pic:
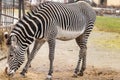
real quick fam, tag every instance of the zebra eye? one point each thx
(11, 55)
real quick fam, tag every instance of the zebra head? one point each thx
(15, 58)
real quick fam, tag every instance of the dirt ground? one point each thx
(103, 60)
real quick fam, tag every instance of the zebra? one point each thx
(48, 22)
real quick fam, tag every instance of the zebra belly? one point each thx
(65, 35)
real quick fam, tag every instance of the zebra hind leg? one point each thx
(82, 56)
(83, 67)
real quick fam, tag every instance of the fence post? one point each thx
(0, 21)
(13, 9)
(0, 11)
(21, 8)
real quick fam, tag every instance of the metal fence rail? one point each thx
(8, 10)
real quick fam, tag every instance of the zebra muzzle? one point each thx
(7, 73)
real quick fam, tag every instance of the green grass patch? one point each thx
(108, 24)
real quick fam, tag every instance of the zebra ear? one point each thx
(12, 40)
(8, 42)
(6, 35)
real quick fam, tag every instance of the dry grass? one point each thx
(17, 76)
(90, 74)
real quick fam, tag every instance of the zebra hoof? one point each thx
(22, 75)
(49, 77)
(75, 75)
(30, 66)
(80, 74)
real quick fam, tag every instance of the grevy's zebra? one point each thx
(48, 22)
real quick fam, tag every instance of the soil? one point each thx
(103, 60)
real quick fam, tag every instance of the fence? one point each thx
(10, 11)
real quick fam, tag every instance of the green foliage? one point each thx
(108, 24)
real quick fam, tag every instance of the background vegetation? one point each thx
(109, 24)
(111, 39)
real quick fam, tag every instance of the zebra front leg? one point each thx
(51, 44)
(28, 53)
(36, 47)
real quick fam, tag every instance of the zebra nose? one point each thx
(10, 74)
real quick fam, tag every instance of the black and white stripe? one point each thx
(50, 21)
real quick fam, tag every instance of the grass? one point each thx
(108, 24)
(109, 44)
